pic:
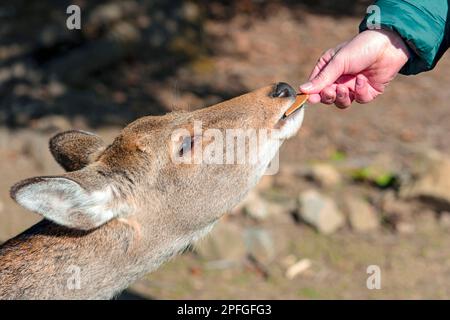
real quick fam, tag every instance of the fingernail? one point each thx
(306, 86)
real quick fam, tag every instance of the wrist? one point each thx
(397, 41)
(394, 43)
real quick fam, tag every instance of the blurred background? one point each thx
(365, 186)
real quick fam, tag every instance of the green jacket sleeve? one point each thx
(423, 24)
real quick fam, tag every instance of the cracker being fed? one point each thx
(299, 102)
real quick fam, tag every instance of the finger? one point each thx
(322, 62)
(328, 95)
(343, 99)
(325, 59)
(362, 94)
(327, 76)
(314, 98)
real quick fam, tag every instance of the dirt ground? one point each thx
(250, 51)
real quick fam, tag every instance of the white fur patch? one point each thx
(292, 125)
(65, 202)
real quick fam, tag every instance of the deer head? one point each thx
(121, 210)
(178, 165)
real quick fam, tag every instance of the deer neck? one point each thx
(52, 262)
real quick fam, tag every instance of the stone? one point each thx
(277, 209)
(255, 206)
(444, 220)
(225, 242)
(362, 216)
(56, 89)
(266, 182)
(288, 261)
(432, 186)
(426, 221)
(52, 124)
(391, 205)
(286, 177)
(325, 175)
(397, 213)
(35, 148)
(320, 212)
(404, 227)
(259, 245)
(298, 268)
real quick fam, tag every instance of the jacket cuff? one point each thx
(421, 30)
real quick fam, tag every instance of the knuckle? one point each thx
(342, 105)
(327, 101)
(362, 100)
(343, 102)
(326, 95)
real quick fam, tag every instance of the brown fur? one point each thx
(74, 149)
(163, 205)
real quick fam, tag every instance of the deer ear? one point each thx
(75, 149)
(65, 202)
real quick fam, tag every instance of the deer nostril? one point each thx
(283, 90)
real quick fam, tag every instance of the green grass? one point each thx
(309, 293)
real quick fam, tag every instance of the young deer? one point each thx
(123, 210)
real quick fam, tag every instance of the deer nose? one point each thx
(283, 90)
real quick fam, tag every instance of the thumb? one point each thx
(327, 76)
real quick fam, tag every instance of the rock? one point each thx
(265, 183)
(225, 242)
(255, 206)
(426, 220)
(405, 227)
(361, 214)
(325, 175)
(391, 205)
(320, 212)
(52, 124)
(259, 245)
(298, 268)
(278, 209)
(444, 220)
(422, 158)
(288, 261)
(190, 11)
(237, 210)
(286, 177)
(432, 186)
(397, 213)
(35, 147)
(56, 89)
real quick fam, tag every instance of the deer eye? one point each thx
(186, 146)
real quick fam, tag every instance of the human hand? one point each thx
(358, 70)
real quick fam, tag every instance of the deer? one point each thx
(121, 210)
